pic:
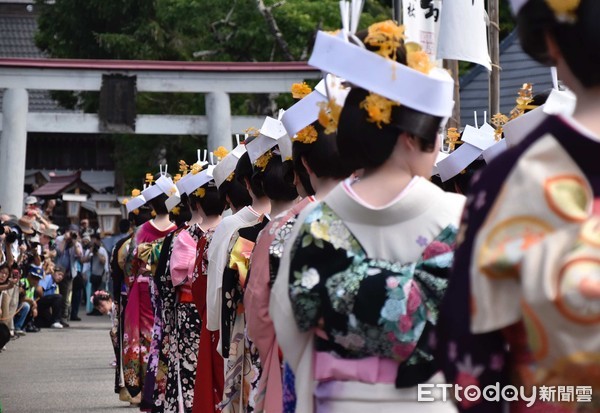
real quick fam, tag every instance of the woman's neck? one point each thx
(380, 186)
(210, 222)
(277, 207)
(261, 205)
(323, 186)
(197, 218)
(587, 112)
(162, 222)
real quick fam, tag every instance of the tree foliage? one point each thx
(184, 30)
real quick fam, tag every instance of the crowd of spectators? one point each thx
(47, 273)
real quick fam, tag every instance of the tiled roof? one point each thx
(59, 184)
(17, 33)
(517, 68)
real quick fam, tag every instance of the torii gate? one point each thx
(214, 79)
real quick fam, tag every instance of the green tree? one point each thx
(184, 30)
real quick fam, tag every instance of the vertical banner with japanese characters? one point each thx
(463, 32)
(421, 20)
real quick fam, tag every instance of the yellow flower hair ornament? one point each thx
(329, 115)
(378, 108)
(221, 152)
(176, 210)
(200, 192)
(195, 168)
(177, 178)
(135, 192)
(263, 160)
(307, 135)
(125, 201)
(452, 138)
(417, 59)
(252, 132)
(386, 35)
(564, 10)
(183, 167)
(230, 177)
(149, 178)
(300, 90)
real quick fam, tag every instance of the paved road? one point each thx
(57, 371)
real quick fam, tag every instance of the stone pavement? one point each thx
(57, 371)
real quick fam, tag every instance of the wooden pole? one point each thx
(397, 10)
(452, 67)
(494, 86)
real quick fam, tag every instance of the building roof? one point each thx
(100, 181)
(64, 183)
(17, 32)
(517, 68)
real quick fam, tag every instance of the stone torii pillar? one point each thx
(13, 148)
(218, 114)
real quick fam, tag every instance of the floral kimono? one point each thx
(184, 339)
(527, 274)
(139, 315)
(242, 369)
(208, 391)
(366, 307)
(163, 298)
(364, 285)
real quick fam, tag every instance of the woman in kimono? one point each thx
(242, 369)
(526, 275)
(324, 170)
(367, 265)
(139, 315)
(208, 391)
(279, 187)
(184, 335)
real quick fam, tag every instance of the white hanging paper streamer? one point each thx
(463, 33)
(422, 25)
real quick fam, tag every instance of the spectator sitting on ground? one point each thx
(8, 279)
(27, 288)
(49, 303)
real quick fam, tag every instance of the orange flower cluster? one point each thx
(300, 90)
(307, 135)
(378, 108)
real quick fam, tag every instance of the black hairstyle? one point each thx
(100, 296)
(363, 144)
(322, 156)
(158, 204)
(95, 235)
(278, 180)
(5, 265)
(236, 192)
(244, 170)
(144, 214)
(184, 214)
(578, 41)
(124, 226)
(212, 203)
